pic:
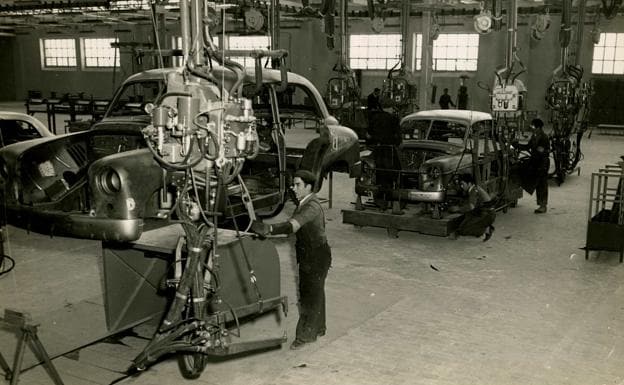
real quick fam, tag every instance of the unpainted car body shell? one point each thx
(425, 169)
(84, 209)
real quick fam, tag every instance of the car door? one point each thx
(14, 130)
(487, 160)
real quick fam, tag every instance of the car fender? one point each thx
(140, 176)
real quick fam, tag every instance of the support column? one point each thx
(426, 70)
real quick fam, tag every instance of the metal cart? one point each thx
(605, 223)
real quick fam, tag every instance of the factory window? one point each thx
(58, 53)
(98, 53)
(609, 54)
(176, 44)
(456, 52)
(374, 51)
(247, 43)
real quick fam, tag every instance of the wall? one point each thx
(309, 56)
(7, 69)
(29, 74)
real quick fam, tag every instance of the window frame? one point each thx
(374, 37)
(83, 55)
(601, 49)
(445, 52)
(44, 57)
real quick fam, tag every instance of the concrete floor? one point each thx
(523, 308)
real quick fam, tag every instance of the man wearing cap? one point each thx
(539, 163)
(313, 256)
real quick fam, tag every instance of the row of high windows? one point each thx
(451, 52)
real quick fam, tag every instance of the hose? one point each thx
(185, 165)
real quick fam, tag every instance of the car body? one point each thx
(103, 183)
(17, 127)
(436, 147)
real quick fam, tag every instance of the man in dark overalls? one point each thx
(539, 163)
(313, 256)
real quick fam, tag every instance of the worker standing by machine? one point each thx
(374, 102)
(313, 256)
(539, 163)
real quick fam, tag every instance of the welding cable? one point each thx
(4, 237)
(233, 171)
(214, 275)
(169, 344)
(161, 62)
(161, 340)
(211, 134)
(183, 191)
(576, 72)
(233, 66)
(234, 317)
(182, 293)
(190, 66)
(186, 163)
(201, 209)
(162, 97)
(252, 274)
(6, 270)
(247, 201)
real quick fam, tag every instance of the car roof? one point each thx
(269, 75)
(41, 128)
(461, 116)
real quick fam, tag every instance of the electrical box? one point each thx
(337, 92)
(506, 98)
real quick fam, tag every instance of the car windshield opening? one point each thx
(446, 131)
(133, 97)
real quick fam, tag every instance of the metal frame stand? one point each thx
(27, 335)
(605, 220)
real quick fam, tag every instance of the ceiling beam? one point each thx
(50, 4)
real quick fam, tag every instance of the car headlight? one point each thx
(434, 172)
(110, 181)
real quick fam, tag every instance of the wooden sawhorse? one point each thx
(27, 335)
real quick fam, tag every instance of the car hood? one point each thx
(446, 156)
(124, 123)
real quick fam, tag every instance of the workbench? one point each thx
(135, 274)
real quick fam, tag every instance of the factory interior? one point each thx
(326, 192)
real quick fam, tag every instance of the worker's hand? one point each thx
(259, 228)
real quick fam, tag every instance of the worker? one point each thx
(479, 214)
(539, 163)
(313, 256)
(445, 100)
(374, 101)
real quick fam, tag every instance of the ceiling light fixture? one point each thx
(483, 21)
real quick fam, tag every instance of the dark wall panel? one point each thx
(8, 91)
(607, 102)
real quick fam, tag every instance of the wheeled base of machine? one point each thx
(410, 220)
